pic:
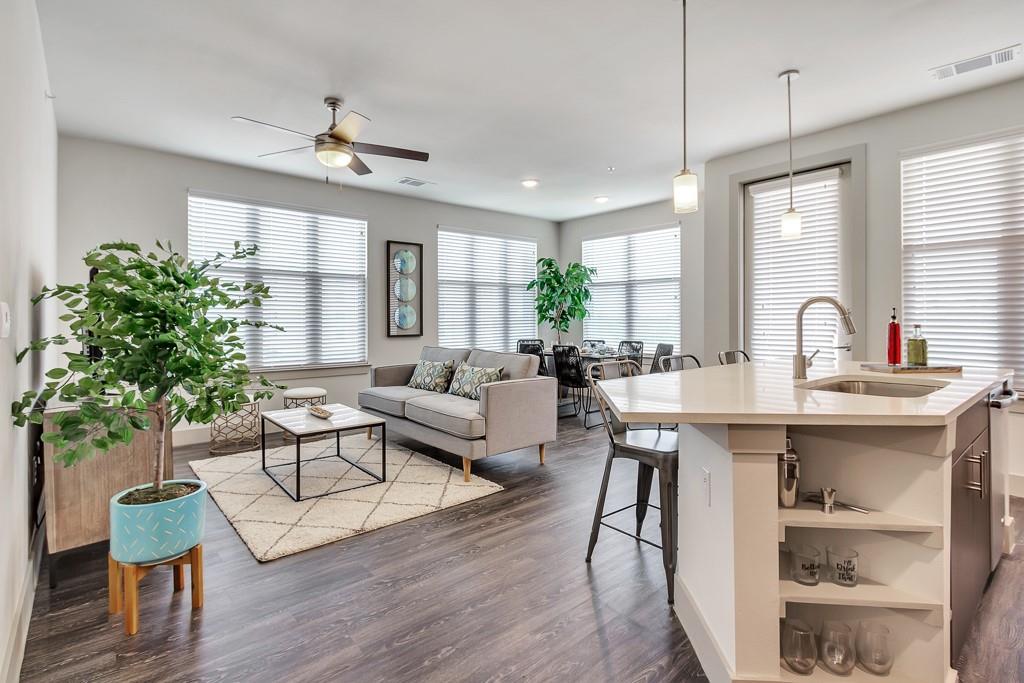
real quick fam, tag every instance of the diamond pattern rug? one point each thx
(273, 525)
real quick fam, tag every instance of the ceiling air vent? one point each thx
(1007, 54)
(413, 182)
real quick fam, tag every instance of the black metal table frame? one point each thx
(297, 496)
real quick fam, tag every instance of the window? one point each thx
(315, 266)
(963, 252)
(482, 300)
(781, 274)
(635, 294)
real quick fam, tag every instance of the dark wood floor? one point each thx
(495, 589)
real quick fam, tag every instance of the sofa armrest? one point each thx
(519, 413)
(391, 375)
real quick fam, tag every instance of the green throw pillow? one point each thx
(467, 380)
(432, 375)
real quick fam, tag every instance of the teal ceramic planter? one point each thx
(143, 534)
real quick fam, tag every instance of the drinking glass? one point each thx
(873, 650)
(837, 648)
(806, 561)
(842, 563)
(799, 648)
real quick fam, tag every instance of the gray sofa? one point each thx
(516, 412)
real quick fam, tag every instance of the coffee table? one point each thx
(300, 423)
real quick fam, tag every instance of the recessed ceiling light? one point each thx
(600, 199)
(530, 182)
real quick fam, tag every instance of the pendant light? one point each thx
(684, 185)
(792, 221)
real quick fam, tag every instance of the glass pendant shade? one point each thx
(792, 225)
(684, 192)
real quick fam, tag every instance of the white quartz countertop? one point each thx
(766, 393)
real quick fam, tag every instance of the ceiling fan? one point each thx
(337, 146)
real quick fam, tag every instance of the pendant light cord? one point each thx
(684, 85)
(789, 114)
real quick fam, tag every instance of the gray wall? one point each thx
(28, 228)
(110, 191)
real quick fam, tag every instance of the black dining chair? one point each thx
(733, 357)
(571, 376)
(677, 362)
(660, 351)
(632, 350)
(652, 450)
(536, 348)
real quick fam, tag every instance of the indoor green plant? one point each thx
(161, 354)
(561, 297)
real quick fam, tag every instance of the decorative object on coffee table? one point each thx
(300, 397)
(123, 583)
(237, 431)
(405, 289)
(301, 425)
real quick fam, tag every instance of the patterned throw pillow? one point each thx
(432, 375)
(467, 380)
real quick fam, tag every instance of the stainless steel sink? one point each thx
(876, 388)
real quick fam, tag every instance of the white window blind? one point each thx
(635, 294)
(482, 300)
(315, 266)
(783, 273)
(963, 252)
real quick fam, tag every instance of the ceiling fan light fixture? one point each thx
(333, 153)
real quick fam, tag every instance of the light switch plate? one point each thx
(5, 320)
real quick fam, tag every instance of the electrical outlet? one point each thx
(5, 320)
(707, 485)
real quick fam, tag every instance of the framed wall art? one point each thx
(405, 289)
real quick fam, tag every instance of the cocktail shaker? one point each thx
(789, 476)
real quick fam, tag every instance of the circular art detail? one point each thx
(405, 289)
(405, 261)
(405, 317)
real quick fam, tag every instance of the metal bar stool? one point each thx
(678, 362)
(733, 357)
(660, 351)
(652, 450)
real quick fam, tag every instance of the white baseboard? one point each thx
(1017, 485)
(14, 649)
(186, 435)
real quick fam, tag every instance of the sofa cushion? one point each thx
(514, 365)
(442, 353)
(390, 400)
(448, 413)
(432, 375)
(467, 380)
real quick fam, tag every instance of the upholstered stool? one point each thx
(123, 583)
(300, 397)
(236, 432)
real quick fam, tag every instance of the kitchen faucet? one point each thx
(800, 361)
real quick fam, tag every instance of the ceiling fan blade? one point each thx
(270, 125)
(348, 128)
(385, 151)
(285, 151)
(358, 166)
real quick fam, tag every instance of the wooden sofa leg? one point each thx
(540, 450)
(466, 465)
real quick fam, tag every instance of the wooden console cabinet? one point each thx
(78, 498)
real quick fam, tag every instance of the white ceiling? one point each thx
(500, 90)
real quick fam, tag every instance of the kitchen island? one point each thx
(912, 449)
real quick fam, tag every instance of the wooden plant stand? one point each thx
(123, 583)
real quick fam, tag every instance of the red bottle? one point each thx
(895, 340)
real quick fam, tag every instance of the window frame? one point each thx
(252, 273)
(649, 345)
(469, 232)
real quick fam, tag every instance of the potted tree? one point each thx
(561, 297)
(154, 352)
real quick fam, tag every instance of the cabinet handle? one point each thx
(971, 458)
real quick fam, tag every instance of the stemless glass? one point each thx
(873, 649)
(805, 563)
(799, 648)
(842, 563)
(837, 648)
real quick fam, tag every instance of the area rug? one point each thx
(273, 525)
